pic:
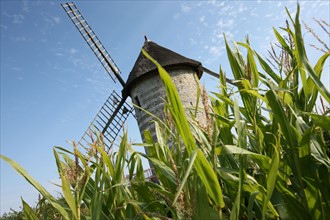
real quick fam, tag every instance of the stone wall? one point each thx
(148, 92)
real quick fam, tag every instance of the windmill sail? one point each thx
(108, 121)
(93, 41)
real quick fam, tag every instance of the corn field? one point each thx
(263, 153)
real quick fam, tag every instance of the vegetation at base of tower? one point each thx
(262, 154)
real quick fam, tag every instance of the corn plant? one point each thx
(261, 153)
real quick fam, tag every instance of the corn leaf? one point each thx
(301, 52)
(202, 166)
(271, 178)
(268, 69)
(184, 180)
(66, 186)
(28, 212)
(36, 185)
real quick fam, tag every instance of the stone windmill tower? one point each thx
(143, 85)
(146, 88)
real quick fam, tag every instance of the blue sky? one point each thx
(52, 85)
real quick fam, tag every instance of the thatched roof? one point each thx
(164, 57)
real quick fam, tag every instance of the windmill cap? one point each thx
(165, 57)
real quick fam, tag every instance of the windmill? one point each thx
(143, 84)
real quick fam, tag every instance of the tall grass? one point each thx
(261, 155)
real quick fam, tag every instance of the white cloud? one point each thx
(242, 7)
(18, 18)
(185, 8)
(15, 68)
(3, 27)
(269, 15)
(228, 34)
(176, 16)
(216, 50)
(226, 9)
(212, 2)
(73, 51)
(25, 6)
(76, 62)
(90, 80)
(56, 19)
(223, 24)
(253, 12)
(19, 38)
(192, 41)
(202, 19)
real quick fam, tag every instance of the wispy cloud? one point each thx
(52, 20)
(3, 27)
(216, 50)
(15, 68)
(56, 19)
(185, 8)
(176, 16)
(225, 23)
(242, 8)
(25, 6)
(269, 15)
(18, 18)
(192, 41)
(254, 13)
(73, 51)
(19, 38)
(202, 18)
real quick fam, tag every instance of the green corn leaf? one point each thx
(36, 185)
(271, 177)
(282, 41)
(120, 160)
(184, 180)
(225, 99)
(225, 120)
(236, 65)
(241, 133)
(255, 93)
(320, 120)
(202, 166)
(288, 13)
(262, 160)
(106, 159)
(301, 52)
(237, 203)
(251, 202)
(202, 209)
(280, 115)
(268, 69)
(66, 186)
(252, 65)
(28, 212)
(223, 82)
(289, 132)
(318, 68)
